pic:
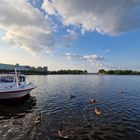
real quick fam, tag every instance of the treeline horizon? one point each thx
(118, 72)
(68, 72)
(101, 71)
(35, 72)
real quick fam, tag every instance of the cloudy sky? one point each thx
(71, 34)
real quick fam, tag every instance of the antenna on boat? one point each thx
(16, 76)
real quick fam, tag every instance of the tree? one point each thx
(102, 71)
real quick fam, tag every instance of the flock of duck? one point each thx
(97, 111)
(61, 131)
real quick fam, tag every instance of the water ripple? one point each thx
(52, 105)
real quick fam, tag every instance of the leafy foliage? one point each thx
(119, 72)
(37, 72)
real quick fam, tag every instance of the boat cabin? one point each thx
(11, 78)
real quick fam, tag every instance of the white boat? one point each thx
(14, 86)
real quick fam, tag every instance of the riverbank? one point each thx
(34, 72)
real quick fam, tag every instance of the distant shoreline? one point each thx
(34, 72)
(101, 72)
(86, 74)
(118, 72)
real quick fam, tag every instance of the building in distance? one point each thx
(23, 68)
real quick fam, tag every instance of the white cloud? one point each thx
(105, 16)
(92, 62)
(70, 56)
(92, 58)
(133, 49)
(25, 26)
(88, 58)
(106, 66)
(107, 50)
(68, 39)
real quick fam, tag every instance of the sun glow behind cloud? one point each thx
(25, 26)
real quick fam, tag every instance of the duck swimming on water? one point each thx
(97, 111)
(92, 100)
(61, 133)
(72, 96)
(38, 119)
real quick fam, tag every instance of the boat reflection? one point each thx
(20, 108)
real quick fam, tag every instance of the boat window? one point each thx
(6, 79)
(21, 78)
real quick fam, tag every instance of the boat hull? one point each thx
(15, 94)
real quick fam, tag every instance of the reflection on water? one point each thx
(40, 119)
(13, 118)
(10, 109)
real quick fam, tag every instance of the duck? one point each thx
(38, 119)
(92, 100)
(72, 96)
(97, 111)
(61, 133)
(121, 91)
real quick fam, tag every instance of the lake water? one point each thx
(50, 103)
